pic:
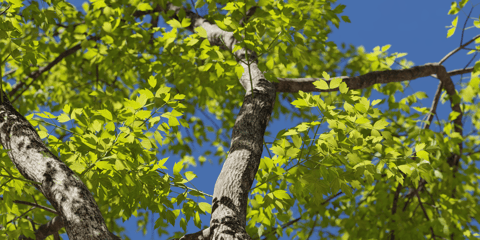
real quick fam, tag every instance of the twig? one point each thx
(313, 227)
(458, 49)
(34, 205)
(299, 218)
(5, 10)
(464, 25)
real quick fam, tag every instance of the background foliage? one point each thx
(115, 96)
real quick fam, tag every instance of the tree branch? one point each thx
(45, 230)
(34, 205)
(59, 184)
(299, 218)
(204, 234)
(248, 14)
(41, 70)
(4, 11)
(394, 207)
(460, 71)
(424, 212)
(458, 49)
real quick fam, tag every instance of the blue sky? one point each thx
(411, 26)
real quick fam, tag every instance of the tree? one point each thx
(86, 97)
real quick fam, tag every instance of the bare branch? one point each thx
(34, 205)
(458, 49)
(464, 25)
(204, 234)
(460, 71)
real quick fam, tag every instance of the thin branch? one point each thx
(41, 70)
(299, 218)
(34, 205)
(460, 71)
(36, 74)
(9, 72)
(424, 211)
(313, 227)
(394, 207)
(5, 10)
(248, 14)
(458, 49)
(464, 25)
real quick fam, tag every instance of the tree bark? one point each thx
(230, 196)
(58, 183)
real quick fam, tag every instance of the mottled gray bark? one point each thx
(230, 196)
(69, 196)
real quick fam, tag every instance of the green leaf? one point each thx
(205, 207)
(183, 224)
(423, 155)
(152, 81)
(177, 167)
(281, 194)
(63, 118)
(346, 189)
(335, 83)
(343, 88)
(386, 47)
(144, 7)
(190, 175)
(380, 124)
(451, 31)
(81, 28)
(363, 164)
(105, 165)
(270, 63)
(107, 27)
(239, 71)
(174, 23)
(346, 19)
(297, 141)
(362, 120)
(321, 84)
(201, 32)
(185, 22)
(326, 76)
(407, 169)
(106, 114)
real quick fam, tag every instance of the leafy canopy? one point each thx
(123, 95)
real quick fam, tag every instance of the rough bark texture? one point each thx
(230, 197)
(66, 192)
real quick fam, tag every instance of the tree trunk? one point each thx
(58, 183)
(230, 196)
